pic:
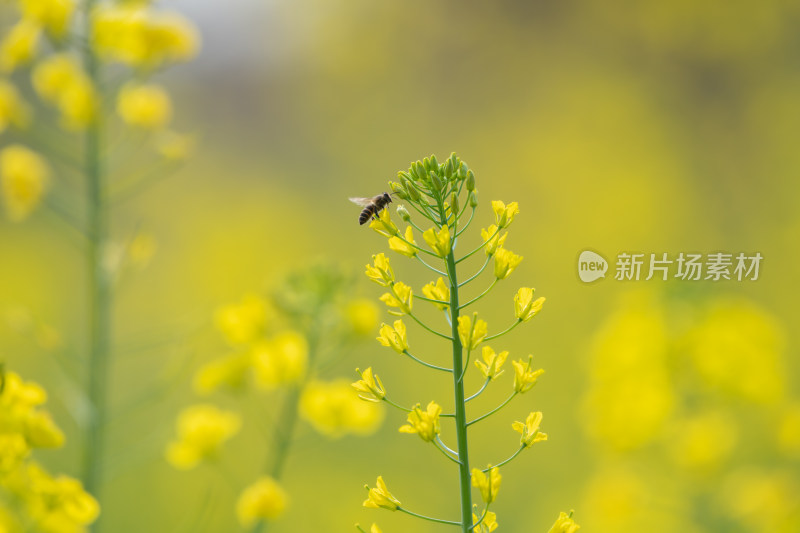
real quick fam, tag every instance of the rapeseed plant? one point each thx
(440, 194)
(91, 65)
(281, 346)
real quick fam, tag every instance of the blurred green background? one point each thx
(626, 126)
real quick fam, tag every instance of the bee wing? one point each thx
(363, 202)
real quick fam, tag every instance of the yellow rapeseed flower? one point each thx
(402, 246)
(369, 387)
(380, 497)
(380, 271)
(201, 429)
(491, 236)
(383, 224)
(13, 449)
(438, 241)
(424, 423)
(13, 109)
(362, 315)
(492, 362)
(141, 37)
(174, 146)
(280, 360)
(263, 500)
(244, 322)
(488, 483)
(147, 106)
(438, 291)
(504, 214)
(524, 376)
(334, 409)
(229, 371)
(394, 336)
(530, 430)
(471, 330)
(19, 45)
(525, 307)
(401, 298)
(487, 525)
(24, 175)
(505, 262)
(564, 524)
(53, 15)
(61, 81)
(41, 432)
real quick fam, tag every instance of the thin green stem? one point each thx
(478, 273)
(460, 405)
(481, 295)
(483, 515)
(421, 323)
(512, 326)
(442, 448)
(493, 411)
(420, 361)
(483, 388)
(516, 453)
(99, 289)
(469, 221)
(430, 267)
(414, 225)
(423, 250)
(430, 519)
(433, 301)
(487, 241)
(390, 402)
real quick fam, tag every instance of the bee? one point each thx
(372, 206)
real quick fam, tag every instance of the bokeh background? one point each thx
(627, 126)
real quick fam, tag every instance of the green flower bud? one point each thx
(437, 182)
(403, 212)
(411, 190)
(434, 163)
(470, 180)
(398, 190)
(473, 199)
(454, 204)
(449, 169)
(462, 170)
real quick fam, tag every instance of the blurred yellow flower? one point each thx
(144, 105)
(13, 449)
(335, 409)
(201, 430)
(280, 360)
(174, 146)
(438, 241)
(472, 333)
(13, 109)
(141, 249)
(401, 297)
(380, 497)
(488, 483)
(263, 500)
(703, 442)
(564, 524)
(24, 175)
(402, 246)
(487, 525)
(491, 236)
(438, 291)
(60, 80)
(53, 15)
(41, 431)
(788, 434)
(525, 307)
(505, 262)
(530, 430)
(229, 372)
(381, 270)
(424, 423)
(525, 377)
(362, 315)
(504, 214)
(492, 362)
(244, 322)
(384, 225)
(394, 336)
(375, 529)
(141, 37)
(370, 387)
(764, 501)
(18, 47)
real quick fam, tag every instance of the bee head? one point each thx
(386, 197)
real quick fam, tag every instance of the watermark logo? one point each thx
(591, 266)
(630, 266)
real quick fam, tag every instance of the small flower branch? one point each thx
(479, 248)
(483, 388)
(481, 295)
(469, 221)
(423, 363)
(493, 411)
(478, 273)
(496, 335)
(421, 323)
(445, 450)
(433, 269)
(428, 518)
(501, 463)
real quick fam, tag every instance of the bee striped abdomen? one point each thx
(365, 215)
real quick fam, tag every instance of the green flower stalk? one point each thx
(438, 196)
